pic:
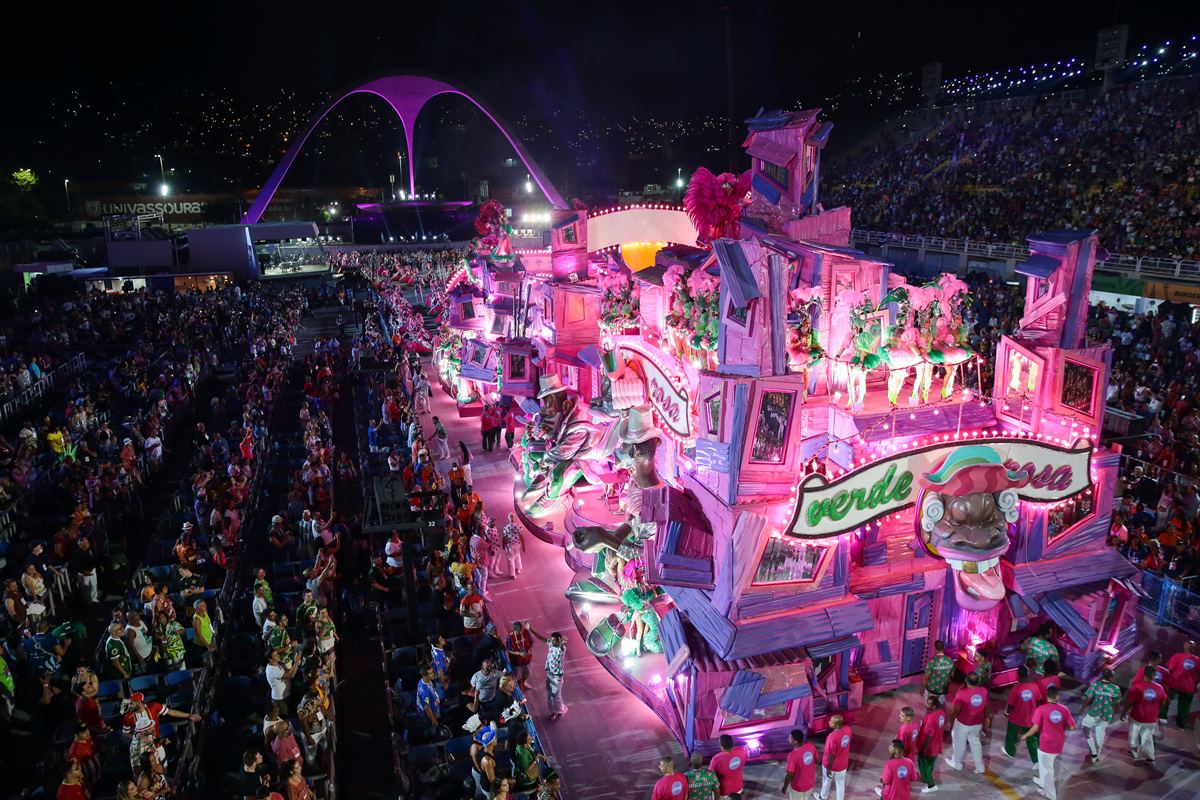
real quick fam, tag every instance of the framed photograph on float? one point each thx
(479, 353)
(769, 448)
(1079, 388)
(1020, 376)
(713, 407)
(789, 560)
(739, 318)
(518, 367)
(500, 324)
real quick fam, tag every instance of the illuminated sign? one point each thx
(891, 484)
(667, 394)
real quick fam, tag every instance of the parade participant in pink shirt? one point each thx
(969, 713)
(910, 731)
(728, 765)
(1050, 724)
(1183, 674)
(1143, 702)
(836, 758)
(898, 773)
(801, 768)
(1023, 700)
(673, 784)
(929, 742)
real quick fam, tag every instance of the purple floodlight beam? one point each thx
(407, 95)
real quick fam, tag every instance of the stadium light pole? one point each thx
(162, 172)
(67, 192)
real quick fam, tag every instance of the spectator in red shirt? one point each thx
(1050, 724)
(1183, 673)
(929, 742)
(970, 714)
(1143, 702)
(72, 786)
(728, 765)
(673, 784)
(801, 767)
(1023, 700)
(836, 758)
(898, 772)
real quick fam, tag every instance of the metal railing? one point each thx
(1171, 602)
(44, 386)
(1142, 266)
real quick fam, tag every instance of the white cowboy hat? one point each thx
(550, 384)
(637, 426)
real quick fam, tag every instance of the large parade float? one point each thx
(771, 459)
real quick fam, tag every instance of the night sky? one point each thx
(549, 62)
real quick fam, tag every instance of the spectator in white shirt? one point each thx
(259, 605)
(280, 680)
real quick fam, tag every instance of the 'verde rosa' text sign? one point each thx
(893, 483)
(669, 400)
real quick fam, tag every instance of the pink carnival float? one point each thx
(770, 459)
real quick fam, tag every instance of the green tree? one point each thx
(24, 179)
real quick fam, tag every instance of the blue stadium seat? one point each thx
(177, 678)
(146, 684)
(108, 689)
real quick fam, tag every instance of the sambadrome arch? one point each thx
(407, 95)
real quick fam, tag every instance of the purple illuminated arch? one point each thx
(407, 95)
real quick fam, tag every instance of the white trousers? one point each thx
(1045, 778)
(515, 564)
(961, 736)
(1141, 738)
(1094, 731)
(91, 586)
(838, 781)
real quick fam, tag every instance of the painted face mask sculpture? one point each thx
(963, 516)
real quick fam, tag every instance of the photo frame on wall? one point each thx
(500, 324)
(769, 443)
(518, 367)
(1079, 386)
(739, 318)
(712, 413)
(479, 354)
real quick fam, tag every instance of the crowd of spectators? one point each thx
(1156, 377)
(100, 656)
(1123, 162)
(287, 623)
(460, 685)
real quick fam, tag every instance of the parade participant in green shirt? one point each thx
(983, 665)
(1039, 650)
(1100, 703)
(938, 672)
(702, 781)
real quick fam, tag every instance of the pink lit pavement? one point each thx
(608, 744)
